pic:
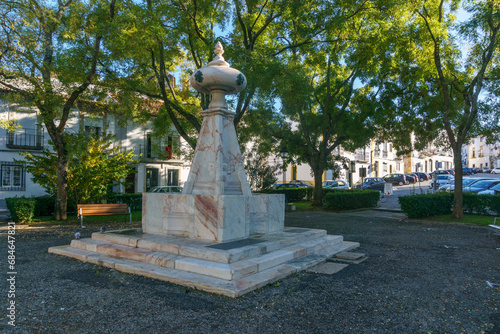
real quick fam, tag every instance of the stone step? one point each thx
(234, 287)
(228, 252)
(216, 269)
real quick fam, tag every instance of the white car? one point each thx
(335, 184)
(495, 170)
(442, 179)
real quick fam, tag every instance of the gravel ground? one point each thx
(419, 277)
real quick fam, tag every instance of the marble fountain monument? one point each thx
(216, 236)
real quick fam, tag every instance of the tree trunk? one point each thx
(318, 188)
(61, 205)
(458, 211)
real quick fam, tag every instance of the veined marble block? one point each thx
(212, 218)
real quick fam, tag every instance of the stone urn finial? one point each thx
(218, 79)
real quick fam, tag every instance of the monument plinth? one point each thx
(216, 236)
(216, 203)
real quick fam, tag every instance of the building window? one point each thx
(294, 172)
(173, 177)
(94, 131)
(12, 176)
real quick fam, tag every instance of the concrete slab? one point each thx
(328, 268)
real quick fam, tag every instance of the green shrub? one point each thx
(134, 201)
(425, 205)
(474, 203)
(350, 199)
(44, 205)
(494, 203)
(291, 194)
(21, 209)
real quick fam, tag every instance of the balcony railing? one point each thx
(385, 154)
(377, 153)
(361, 157)
(28, 139)
(155, 153)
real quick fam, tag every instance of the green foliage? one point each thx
(94, 167)
(425, 205)
(134, 201)
(44, 205)
(350, 199)
(291, 194)
(21, 209)
(260, 174)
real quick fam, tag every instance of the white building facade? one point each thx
(482, 155)
(159, 163)
(377, 159)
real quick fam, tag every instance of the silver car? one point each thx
(337, 184)
(442, 179)
(465, 183)
(481, 185)
(165, 189)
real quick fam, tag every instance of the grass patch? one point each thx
(305, 206)
(90, 220)
(467, 219)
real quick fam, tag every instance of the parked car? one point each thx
(467, 171)
(301, 183)
(465, 183)
(442, 172)
(491, 191)
(165, 189)
(481, 185)
(495, 170)
(422, 176)
(335, 184)
(442, 180)
(375, 183)
(286, 186)
(485, 170)
(396, 178)
(451, 171)
(411, 178)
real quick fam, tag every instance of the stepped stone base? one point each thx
(230, 268)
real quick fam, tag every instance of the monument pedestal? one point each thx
(229, 268)
(216, 236)
(212, 218)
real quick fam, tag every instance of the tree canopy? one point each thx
(443, 78)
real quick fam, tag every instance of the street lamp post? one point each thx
(284, 155)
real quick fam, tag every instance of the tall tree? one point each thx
(441, 68)
(49, 57)
(325, 88)
(158, 40)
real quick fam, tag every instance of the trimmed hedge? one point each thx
(350, 199)
(134, 201)
(426, 205)
(21, 209)
(291, 194)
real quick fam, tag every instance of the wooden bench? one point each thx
(495, 223)
(102, 210)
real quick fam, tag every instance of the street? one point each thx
(390, 202)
